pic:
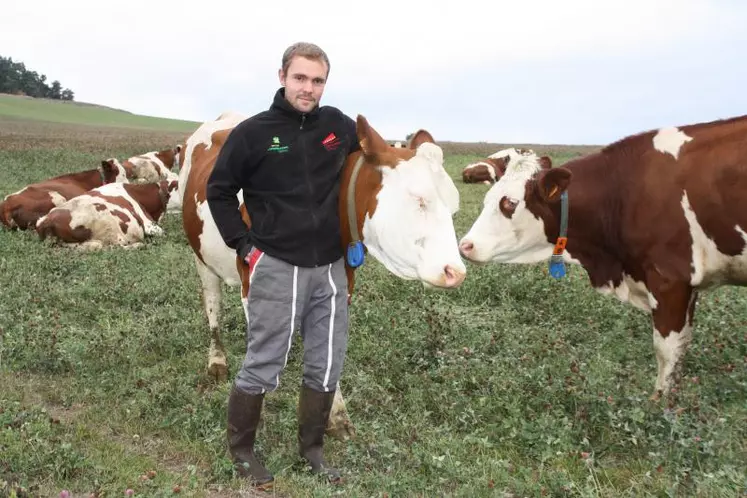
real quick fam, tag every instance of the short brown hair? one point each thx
(304, 49)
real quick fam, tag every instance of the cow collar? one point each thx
(355, 253)
(557, 266)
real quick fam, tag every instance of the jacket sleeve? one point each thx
(233, 167)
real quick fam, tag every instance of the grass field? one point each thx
(513, 385)
(59, 111)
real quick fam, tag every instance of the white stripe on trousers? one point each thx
(292, 324)
(331, 329)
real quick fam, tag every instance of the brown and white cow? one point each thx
(116, 214)
(491, 168)
(653, 219)
(153, 166)
(22, 209)
(404, 203)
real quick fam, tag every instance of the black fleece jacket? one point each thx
(289, 166)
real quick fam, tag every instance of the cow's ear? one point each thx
(553, 182)
(370, 141)
(545, 162)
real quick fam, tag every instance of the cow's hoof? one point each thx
(218, 371)
(340, 428)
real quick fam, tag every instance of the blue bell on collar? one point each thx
(355, 254)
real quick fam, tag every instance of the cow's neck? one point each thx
(366, 187)
(145, 195)
(594, 218)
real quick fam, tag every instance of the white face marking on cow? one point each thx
(669, 353)
(57, 198)
(631, 291)
(215, 253)
(670, 140)
(711, 267)
(518, 239)
(412, 232)
(203, 135)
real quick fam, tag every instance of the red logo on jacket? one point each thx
(331, 142)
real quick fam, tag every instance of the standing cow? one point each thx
(653, 219)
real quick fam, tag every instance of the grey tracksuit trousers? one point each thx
(283, 297)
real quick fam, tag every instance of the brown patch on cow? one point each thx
(100, 207)
(153, 197)
(124, 220)
(57, 224)
(203, 160)
(122, 202)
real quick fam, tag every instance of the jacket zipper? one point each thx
(314, 220)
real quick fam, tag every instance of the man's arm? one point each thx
(232, 168)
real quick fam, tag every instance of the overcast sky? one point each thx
(524, 71)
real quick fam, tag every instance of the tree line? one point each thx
(16, 79)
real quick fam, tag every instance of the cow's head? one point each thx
(407, 224)
(490, 169)
(175, 199)
(168, 192)
(170, 157)
(511, 226)
(113, 172)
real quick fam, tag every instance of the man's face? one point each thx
(304, 82)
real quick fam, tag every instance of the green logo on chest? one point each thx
(276, 147)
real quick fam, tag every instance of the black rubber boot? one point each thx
(243, 417)
(313, 413)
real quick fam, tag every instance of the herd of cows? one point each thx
(653, 218)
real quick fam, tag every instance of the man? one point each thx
(288, 161)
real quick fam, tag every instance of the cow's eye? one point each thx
(508, 206)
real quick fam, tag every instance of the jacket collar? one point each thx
(280, 104)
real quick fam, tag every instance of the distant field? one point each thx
(514, 385)
(12, 106)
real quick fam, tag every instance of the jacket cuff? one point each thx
(244, 248)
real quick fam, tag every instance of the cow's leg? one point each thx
(672, 321)
(339, 425)
(89, 245)
(150, 228)
(211, 300)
